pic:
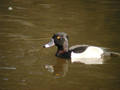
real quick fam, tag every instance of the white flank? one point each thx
(92, 55)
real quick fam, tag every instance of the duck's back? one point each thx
(78, 48)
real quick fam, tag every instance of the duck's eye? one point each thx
(58, 37)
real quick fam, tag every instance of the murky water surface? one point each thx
(25, 25)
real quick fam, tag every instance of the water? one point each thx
(26, 25)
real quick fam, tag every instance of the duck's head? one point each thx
(60, 40)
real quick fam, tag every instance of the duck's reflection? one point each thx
(59, 69)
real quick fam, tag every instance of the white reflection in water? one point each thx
(6, 79)
(49, 68)
(59, 69)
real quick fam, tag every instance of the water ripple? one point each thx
(23, 22)
(8, 68)
(14, 16)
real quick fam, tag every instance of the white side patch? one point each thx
(92, 55)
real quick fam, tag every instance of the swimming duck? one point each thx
(77, 53)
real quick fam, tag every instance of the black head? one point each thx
(60, 40)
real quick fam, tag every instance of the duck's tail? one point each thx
(115, 54)
(112, 54)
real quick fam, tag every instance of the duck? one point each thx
(77, 53)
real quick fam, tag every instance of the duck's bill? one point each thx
(50, 44)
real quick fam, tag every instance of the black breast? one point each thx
(64, 55)
(78, 48)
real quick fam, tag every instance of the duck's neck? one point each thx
(62, 51)
(63, 48)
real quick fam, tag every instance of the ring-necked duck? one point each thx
(77, 53)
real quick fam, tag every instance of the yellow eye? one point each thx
(58, 37)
